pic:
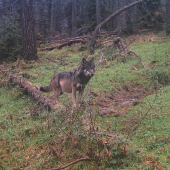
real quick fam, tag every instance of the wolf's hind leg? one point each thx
(57, 93)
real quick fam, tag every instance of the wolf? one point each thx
(73, 81)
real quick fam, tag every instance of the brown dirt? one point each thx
(120, 103)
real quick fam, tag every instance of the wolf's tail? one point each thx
(47, 88)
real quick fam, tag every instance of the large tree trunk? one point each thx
(28, 34)
(97, 30)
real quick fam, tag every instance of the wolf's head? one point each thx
(88, 67)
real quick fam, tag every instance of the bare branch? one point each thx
(82, 159)
(138, 57)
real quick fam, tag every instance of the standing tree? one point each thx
(74, 18)
(28, 34)
(98, 11)
(167, 17)
(53, 17)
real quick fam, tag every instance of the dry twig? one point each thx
(82, 159)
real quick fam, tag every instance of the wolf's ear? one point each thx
(83, 60)
(92, 60)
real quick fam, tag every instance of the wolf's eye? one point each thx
(92, 65)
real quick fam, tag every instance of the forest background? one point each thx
(58, 19)
(123, 119)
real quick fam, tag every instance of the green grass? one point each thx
(33, 138)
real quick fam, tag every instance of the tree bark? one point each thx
(74, 18)
(168, 13)
(28, 34)
(37, 14)
(98, 11)
(53, 17)
(97, 30)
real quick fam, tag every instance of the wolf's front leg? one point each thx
(80, 95)
(74, 96)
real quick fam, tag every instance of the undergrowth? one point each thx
(123, 121)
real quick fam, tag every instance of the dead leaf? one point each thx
(104, 141)
(27, 158)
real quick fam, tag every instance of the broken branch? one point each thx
(97, 30)
(82, 159)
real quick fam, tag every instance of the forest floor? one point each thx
(123, 120)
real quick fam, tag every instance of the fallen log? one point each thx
(68, 43)
(30, 88)
(83, 37)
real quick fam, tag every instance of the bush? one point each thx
(158, 77)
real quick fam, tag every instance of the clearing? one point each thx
(123, 121)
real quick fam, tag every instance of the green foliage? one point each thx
(91, 12)
(149, 15)
(39, 36)
(10, 39)
(160, 75)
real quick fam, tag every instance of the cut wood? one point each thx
(30, 88)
